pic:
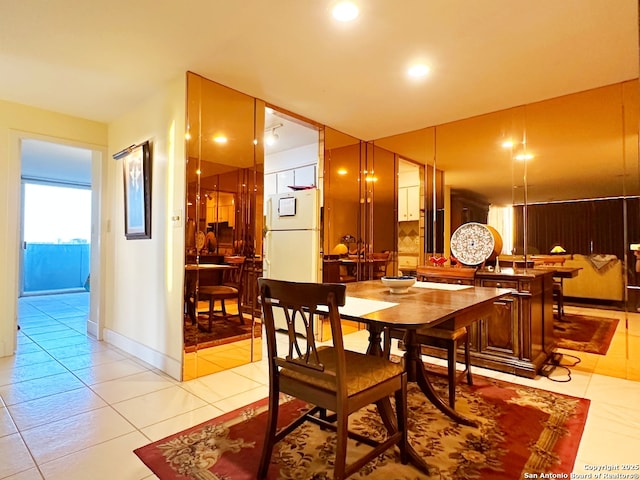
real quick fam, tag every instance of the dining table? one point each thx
(424, 305)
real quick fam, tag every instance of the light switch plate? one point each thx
(176, 218)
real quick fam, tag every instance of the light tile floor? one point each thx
(74, 408)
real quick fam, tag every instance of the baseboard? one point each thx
(92, 329)
(594, 303)
(168, 365)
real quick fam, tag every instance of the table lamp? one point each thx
(340, 249)
(557, 250)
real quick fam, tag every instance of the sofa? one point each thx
(601, 277)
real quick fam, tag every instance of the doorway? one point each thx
(59, 221)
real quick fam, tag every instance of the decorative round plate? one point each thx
(200, 237)
(472, 243)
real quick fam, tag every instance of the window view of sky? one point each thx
(54, 214)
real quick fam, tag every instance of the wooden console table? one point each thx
(518, 337)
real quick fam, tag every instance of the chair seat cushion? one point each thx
(219, 291)
(363, 371)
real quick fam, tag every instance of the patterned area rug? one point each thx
(522, 430)
(222, 332)
(584, 333)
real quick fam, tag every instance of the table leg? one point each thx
(385, 410)
(417, 373)
(375, 341)
(561, 302)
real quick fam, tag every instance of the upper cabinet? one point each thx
(293, 162)
(305, 176)
(408, 203)
(408, 192)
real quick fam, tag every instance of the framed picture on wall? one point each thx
(137, 192)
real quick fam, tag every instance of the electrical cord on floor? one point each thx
(564, 355)
(554, 362)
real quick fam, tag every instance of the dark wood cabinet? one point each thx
(331, 270)
(499, 333)
(517, 337)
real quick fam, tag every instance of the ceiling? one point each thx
(98, 59)
(51, 162)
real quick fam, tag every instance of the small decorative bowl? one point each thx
(399, 284)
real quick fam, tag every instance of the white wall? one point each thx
(20, 121)
(141, 280)
(290, 159)
(144, 279)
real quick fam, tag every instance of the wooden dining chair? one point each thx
(229, 289)
(446, 339)
(450, 340)
(380, 263)
(329, 378)
(558, 289)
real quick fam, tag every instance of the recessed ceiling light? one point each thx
(418, 70)
(220, 139)
(345, 11)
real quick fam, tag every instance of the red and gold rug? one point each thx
(522, 430)
(223, 331)
(584, 333)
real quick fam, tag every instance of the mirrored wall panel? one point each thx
(223, 254)
(558, 179)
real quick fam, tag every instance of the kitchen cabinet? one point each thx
(305, 176)
(285, 179)
(281, 181)
(222, 210)
(408, 203)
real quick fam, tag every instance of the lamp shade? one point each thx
(558, 249)
(340, 249)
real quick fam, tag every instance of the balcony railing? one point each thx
(55, 266)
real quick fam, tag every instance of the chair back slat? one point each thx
(301, 303)
(234, 276)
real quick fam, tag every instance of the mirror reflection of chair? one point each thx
(229, 289)
(380, 261)
(349, 270)
(558, 294)
(328, 377)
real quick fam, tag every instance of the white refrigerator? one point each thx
(292, 240)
